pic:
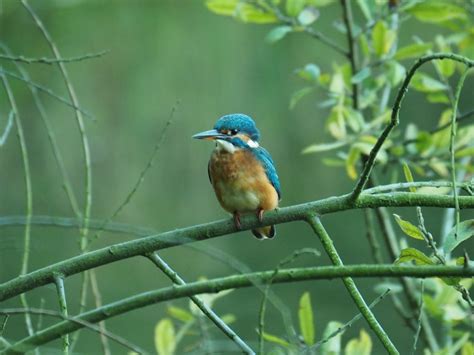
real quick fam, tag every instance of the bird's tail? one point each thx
(264, 232)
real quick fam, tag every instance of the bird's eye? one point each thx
(233, 132)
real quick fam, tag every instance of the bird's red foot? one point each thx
(237, 220)
(260, 215)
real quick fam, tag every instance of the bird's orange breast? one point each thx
(240, 182)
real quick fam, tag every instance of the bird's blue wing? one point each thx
(265, 158)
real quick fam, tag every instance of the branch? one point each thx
(49, 61)
(351, 287)
(206, 231)
(394, 120)
(173, 276)
(235, 281)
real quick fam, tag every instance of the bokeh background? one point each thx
(162, 52)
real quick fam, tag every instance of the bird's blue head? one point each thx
(236, 128)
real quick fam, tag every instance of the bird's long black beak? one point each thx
(210, 135)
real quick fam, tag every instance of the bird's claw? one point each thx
(237, 220)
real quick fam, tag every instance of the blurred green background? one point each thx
(162, 52)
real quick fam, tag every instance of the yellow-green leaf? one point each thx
(222, 7)
(333, 345)
(408, 228)
(323, 147)
(466, 152)
(165, 339)
(305, 315)
(249, 13)
(382, 38)
(413, 51)
(467, 348)
(408, 176)
(437, 11)
(294, 7)
(180, 314)
(274, 339)
(412, 254)
(424, 83)
(359, 346)
(351, 162)
(465, 231)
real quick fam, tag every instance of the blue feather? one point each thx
(265, 158)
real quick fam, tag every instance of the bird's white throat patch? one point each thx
(226, 146)
(230, 148)
(252, 144)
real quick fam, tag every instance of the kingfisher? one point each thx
(242, 172)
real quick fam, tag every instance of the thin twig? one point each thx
(173, 276)
(59, 281)
(263, 304)
(46, 91)
(49, 61)
(148, 166)
(98, 303)
(349, 324)
(29, 194)
(83, 324)
(8, 127)
(457, 95)
(51, 136)
(352, 44)
(420, 313)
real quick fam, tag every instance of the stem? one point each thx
(328, 245)
(59, 280)
(352, 55)
(451, 146)
(236, 281)
(173, 276)
(29, 194)
(43, 60)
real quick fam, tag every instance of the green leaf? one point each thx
(424, 83)
(361, 75)
(310, 72)
(396, 73)
(466, 152)
(382, 38)
(445, 67)
(465, 231)
(222, 7)
(333, 345)
(409, 229)
(467, 348)
(305, 315)
(364, 7)
(165, 341)
(351, 162)
(323, 147)
(383, 286)
(438, 98)
(412, 254)
(249, 13)
(294, 7)
(180, 314)
(228, 318)
(437, 11)
(359, 346)
(274, 339)
(408, 177)
(413, 51)
(308, 16)
(298, 95)
(278, 33)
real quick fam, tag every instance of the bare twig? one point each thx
(49, 61)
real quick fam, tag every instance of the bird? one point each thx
(242, 172)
